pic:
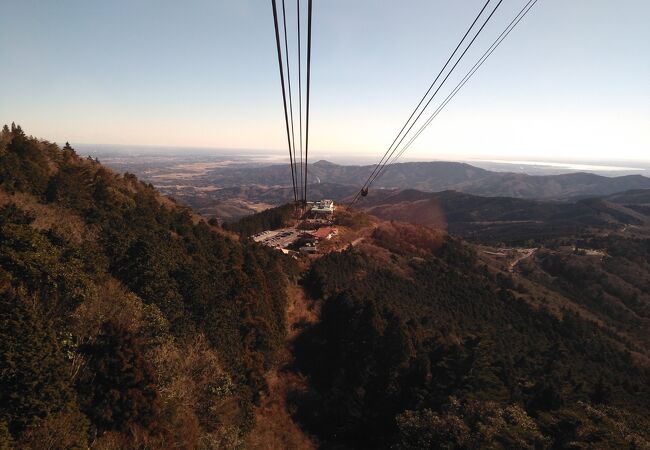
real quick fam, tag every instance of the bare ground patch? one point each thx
(274, 427)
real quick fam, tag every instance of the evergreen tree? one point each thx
(68, 151)
(117, 387)
(6, 441)
(34, 377)
(601, 393)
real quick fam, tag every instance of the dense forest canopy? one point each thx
(124, 321)
(424, 347)
(270, 219)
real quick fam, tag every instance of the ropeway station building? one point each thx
(323, 209)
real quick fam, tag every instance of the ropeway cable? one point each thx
(286, 54)
(309, 28)
(372, 177)
(284, 95)
(441, 85)
(511, 26)
(300, 184)
(430, 88)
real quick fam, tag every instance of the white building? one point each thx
(323, 207)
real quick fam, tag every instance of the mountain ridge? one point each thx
(507, 219)
(441, 175)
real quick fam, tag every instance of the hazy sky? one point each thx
(572, 81)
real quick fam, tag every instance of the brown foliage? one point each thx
(62, 221)
(274, 427)
(408, 239)
(197, 395)
(63, 430)
(113, 302)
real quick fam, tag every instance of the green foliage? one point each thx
(117, 386)
(42, 266)
(34, 373)
(391, 342)
(146, 268)
(483, 425)
(23, 165)
(6, 440)
(269, 219)
(72, 187)
(614, 289)
(352, 219)
(179, 280)
(603, 427)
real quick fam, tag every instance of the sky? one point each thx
(571, 82)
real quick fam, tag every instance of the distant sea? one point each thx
(609, 168)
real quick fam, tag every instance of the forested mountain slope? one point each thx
(423, 345)
(591, 255)
(125, 322)
(510, 220)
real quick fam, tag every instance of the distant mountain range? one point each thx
(435, 177)
(229, 192)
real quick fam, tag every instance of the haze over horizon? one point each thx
(205, 75)
(179, 156)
